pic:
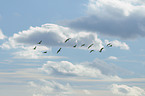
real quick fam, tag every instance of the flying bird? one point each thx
(109, 45)
(34, 48)
(101, 49)
(82, 45)
(67, 40)
(58, 50)
(90, 46)
(75, 46)
(91, 51)
(45, 52)
(39, 42)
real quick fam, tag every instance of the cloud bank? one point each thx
(119, 18)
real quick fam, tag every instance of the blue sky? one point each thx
(116, 71)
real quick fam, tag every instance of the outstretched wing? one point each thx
(34, 48)
(39, 42)
(67, 40)
(82, 45)
(90, 46)
(58, 50)
(91, 51)
(101, 49)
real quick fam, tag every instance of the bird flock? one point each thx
(108, 45)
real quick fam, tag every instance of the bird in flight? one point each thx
(45, 52)
(58, 50)
(109, 45)
(101, 49)
(67, 40)
(91, 51)
(90, 46)
(75, 46)
(39, 42)
(34, 48)
(82, 45)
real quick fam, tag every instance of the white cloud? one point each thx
(112, 58)
(120, 18)
(65, 68)
(124, 90)
(45, 88)
(29, 53)
(87, 92)
(2, 36)
(116, 43)
(53, 35)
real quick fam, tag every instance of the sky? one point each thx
(73, 71)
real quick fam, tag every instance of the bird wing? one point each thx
(90, 46)
(45, 52)
(101, 49)
(108, 44)
(91, 51)
(34, 48)
(67, 40)
(74, 45)
(82, 45)
(40, 42)
(59, 50)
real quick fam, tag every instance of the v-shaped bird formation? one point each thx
(74, 46)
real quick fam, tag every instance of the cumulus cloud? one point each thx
(124, 90)
(119, 18)
(116, 43)
(91, 70)
(52, 35)
(2, 36)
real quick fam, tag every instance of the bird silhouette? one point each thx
(90, 46)
(109, 45)
(82, 45)
(39, 42)
(45, 52)
(91, 51)
(101, 49)
(67, 40)
(34, 48)
(75, 46)
(58, 50)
